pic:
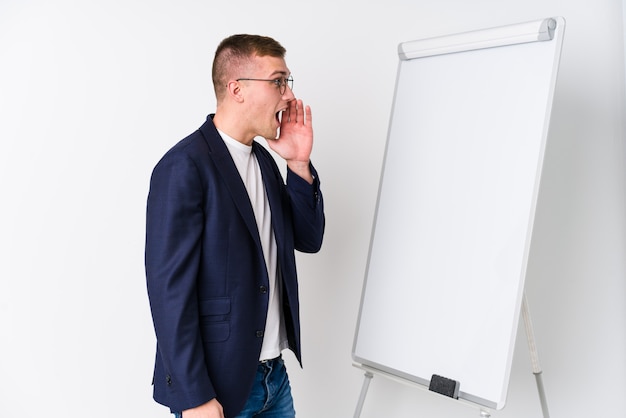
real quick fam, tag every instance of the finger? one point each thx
(298, 105)
(308, 114)
(293, 109)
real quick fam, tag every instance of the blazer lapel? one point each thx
(228, 171)
(272, 182)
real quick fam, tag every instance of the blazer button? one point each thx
(168, 379)
(263, 289)
(259, 334)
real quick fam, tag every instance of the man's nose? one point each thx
(288, 95)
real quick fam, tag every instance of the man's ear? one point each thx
(234, 90)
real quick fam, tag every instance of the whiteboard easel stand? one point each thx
(369, 374)
(484, 413)
(534, 356)
(366, 383)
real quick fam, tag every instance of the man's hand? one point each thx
(211, 409)
(295, 141)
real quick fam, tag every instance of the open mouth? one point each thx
(279, 115)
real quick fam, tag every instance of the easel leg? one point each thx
(366, 384)
(534, 357)
(542, 395)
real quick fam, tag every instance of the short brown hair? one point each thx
(236, 52)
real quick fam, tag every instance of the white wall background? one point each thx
(93, 93)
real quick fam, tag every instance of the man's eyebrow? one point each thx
(278, 72)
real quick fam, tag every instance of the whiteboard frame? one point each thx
(453, 44)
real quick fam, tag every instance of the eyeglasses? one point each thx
(281, 83)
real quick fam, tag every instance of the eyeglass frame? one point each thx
(281, 83)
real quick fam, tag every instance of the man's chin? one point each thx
(274, 138)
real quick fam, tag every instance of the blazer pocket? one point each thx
(215, 324)
(215, 332)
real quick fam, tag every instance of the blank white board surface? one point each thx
(456, 202)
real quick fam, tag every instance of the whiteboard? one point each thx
(452, 230)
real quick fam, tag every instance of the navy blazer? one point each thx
(206, 275)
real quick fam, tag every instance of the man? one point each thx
(221, 231)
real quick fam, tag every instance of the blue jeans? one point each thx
(271, 393)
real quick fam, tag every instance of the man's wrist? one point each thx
(302, 169)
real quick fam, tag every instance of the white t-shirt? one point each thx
(275, 338)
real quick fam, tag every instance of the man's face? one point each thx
(264, 100)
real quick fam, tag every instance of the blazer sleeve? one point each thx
(307, 205)
(174, 224)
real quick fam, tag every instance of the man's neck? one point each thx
(225, 122)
